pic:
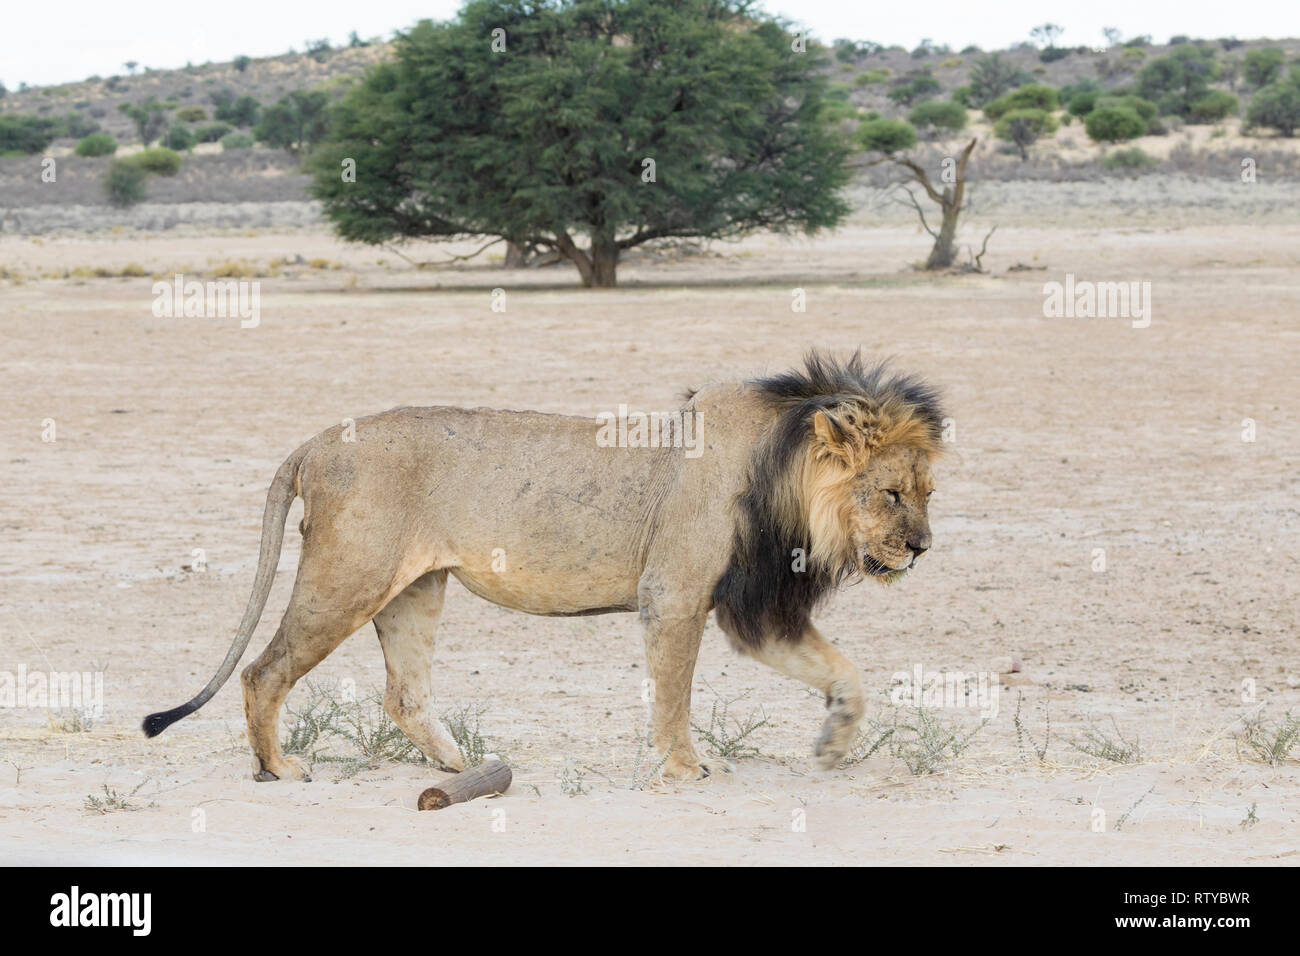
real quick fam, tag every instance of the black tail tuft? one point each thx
(155, 724)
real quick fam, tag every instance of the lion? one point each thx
(803, 481)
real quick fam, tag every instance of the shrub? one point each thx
(1113, 124)
(25, 134)
(887, 135)
(191, 114)
(1261, 67)
(124, 183)
(1178, 81)
(1277, 105)
(1032, 96)
(1081, 104)
(236, 141)
(990, 77)
(914, 89)
(1143, 108)
(241, 111)
(1131, 158)
(180, 137)
(241, 62)
(1023, 127)
(870, 77)
(158, 159)
(940, 115)
(1214, 106)
(97, 144)
(212, 132)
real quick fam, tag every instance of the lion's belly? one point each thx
(555, 593)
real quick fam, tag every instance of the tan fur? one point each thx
(527, 511)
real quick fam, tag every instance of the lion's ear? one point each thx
(834, 437)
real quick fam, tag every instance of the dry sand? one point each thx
(1071, 435)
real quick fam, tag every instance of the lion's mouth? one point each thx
(878, 569)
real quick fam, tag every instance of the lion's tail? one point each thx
(278, 499)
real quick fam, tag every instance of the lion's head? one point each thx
(839, 488)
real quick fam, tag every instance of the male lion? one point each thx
(807, 479)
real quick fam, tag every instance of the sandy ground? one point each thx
(1071, 435)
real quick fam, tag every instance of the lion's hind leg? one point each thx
(406, 629)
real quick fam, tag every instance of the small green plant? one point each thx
(1123, 817)
(374, 737)
(924, 742)
(1098, 743)
(72, 721)
(112, 801)
(1023, 734)
(463, 725)
(1250, 819)
(721, 739)
(1269, 741)
(233, 141)
(571, 782)
(308, 725)
(644, 773)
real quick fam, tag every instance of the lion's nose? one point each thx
(920, 544)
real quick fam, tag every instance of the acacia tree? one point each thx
(620, 121)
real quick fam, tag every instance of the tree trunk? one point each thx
(604, 263)
(516, 256)
(944, 251)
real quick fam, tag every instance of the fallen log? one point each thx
(487, 779)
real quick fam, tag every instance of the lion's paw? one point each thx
(288, 768)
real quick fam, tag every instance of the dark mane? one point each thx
(760, 594)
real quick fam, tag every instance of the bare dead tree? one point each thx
(951, 201)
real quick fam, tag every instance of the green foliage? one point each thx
(1024, 127)
(914, 88)
(870, 77)
(1277, 105)
(1143, 108)
(237, 111)
(1132, 158)
(150, 119)
(25, 134)
(212, 132)
(991, 77)
(1032, 96)
(1214, 106)
(236, 141)
(1081, 104)
(1114, 124)
(241, 62)
(549, 138)
(159, 160)
(939, 115)
(1178, 81)
(124, 183)
(1262, 67)
(297, 122)
(191, 114)
(886, 135)
(180, 137)
(97, 144)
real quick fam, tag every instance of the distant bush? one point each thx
(25, 134)
(236, 141)
(238, 111)
(241, 62)
(158, 159)
(990, 77)
(1214, 106)
(97, 144)
(914, 88)
(1178, 81)
(1261, 67)
(297, 122)
(869, 77)
(1277, 105)
(124, 183)
(1143, 108)
(180, 137)
(212, 132)
(886, 135)
(1113, 124)
(1131, 158)
(1081, 104)
(939, 115)
(191, 114)
(1024, 127)
(1032, 96)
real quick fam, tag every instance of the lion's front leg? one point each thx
(815, 661)
(672, 643)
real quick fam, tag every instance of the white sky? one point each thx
(71, 40)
